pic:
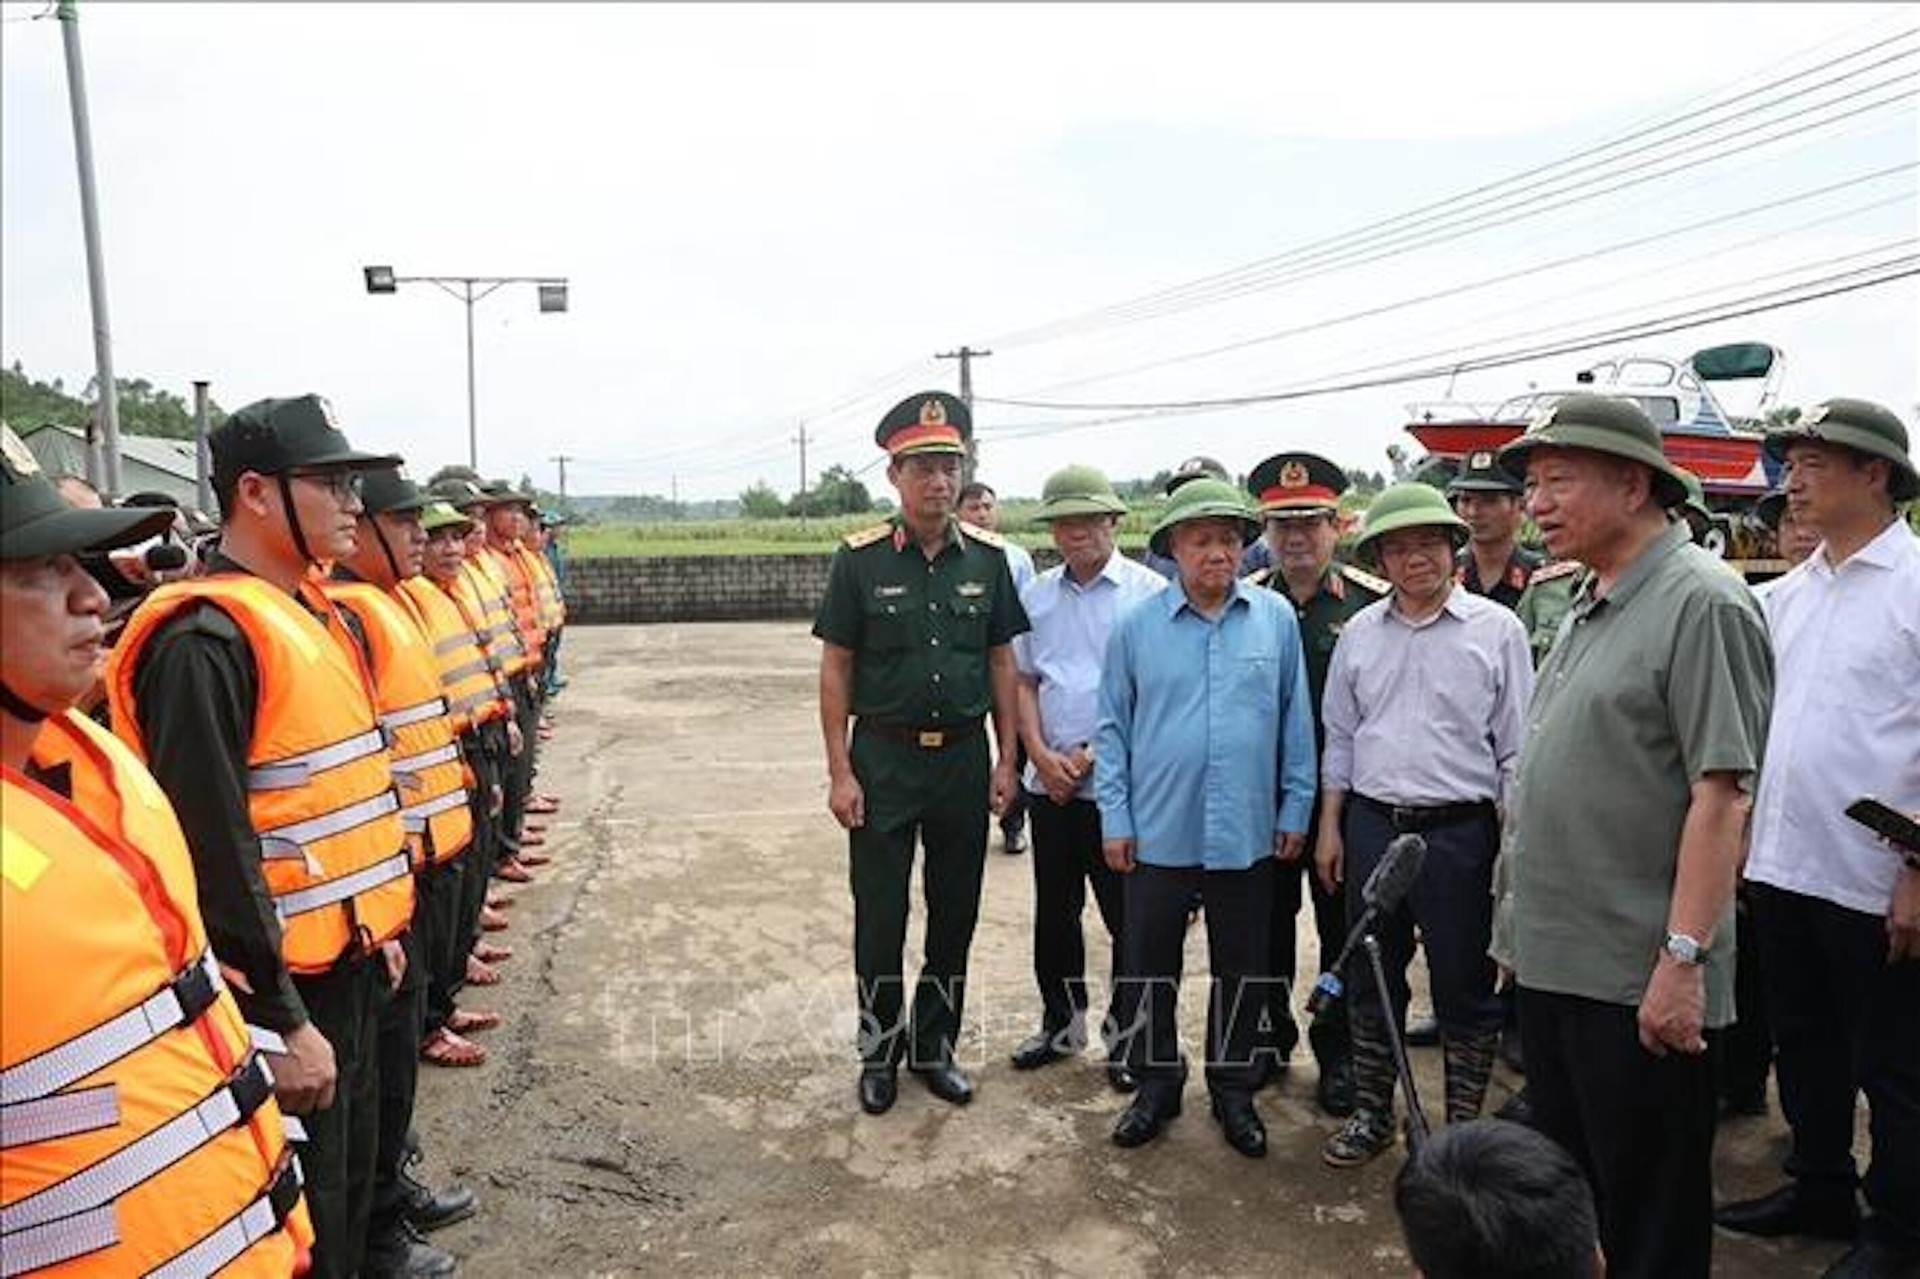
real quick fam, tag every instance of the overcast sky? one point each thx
(770, 214)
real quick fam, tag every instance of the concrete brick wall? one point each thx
(702, 588)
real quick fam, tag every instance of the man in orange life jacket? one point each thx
(506, 522)
(388, 549)
(250, 698)
(119, 1041)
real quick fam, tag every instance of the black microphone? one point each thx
(1385, 889)
(166, 557)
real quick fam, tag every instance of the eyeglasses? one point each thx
(342, 486)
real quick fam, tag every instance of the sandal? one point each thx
(492, 921)
(532, 839)
(479, 974)
(542, 804)
(499, 901)
(488, 953)
(536, 859)
(465, 1022)
(444, 1048)
(513, 872)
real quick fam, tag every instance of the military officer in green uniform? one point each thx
(916, 629)
(1299, 499)
(1546, 601)
(1492, 563)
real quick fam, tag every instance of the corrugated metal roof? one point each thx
(147, 462)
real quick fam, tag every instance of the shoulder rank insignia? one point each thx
(1561, 568)
(1360, 577)
(985, 537)
(867, 536)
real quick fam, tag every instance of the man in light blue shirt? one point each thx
(1072, 608)
(1204, 771)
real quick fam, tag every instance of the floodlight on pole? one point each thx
(551, 295)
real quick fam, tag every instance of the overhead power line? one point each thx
(1448, 213)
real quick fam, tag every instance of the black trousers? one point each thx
(1746, 1047)
(400, 1024)
(438, 899)
(1640, 1126)
(487, 756)
(517, 777)
(1451, 901)
(1017, 809)
(939, 799)
(1237, 906)
(1328, 1035)
(338, 1158)
(1066, 858)
(1845, 1021)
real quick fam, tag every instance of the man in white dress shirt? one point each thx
(979, 506)
(1072, 608)
(1424, 708)
(1838, 911)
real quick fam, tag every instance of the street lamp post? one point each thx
(551, 292)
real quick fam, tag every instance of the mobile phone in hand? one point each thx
(1887, 822)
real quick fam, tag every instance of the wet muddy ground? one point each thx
(672, 1090)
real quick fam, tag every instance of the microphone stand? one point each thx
(1417, 1130)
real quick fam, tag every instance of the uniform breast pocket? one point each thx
(1256, 677)
(970, 623)
(886, 625)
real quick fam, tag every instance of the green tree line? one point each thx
(145, 409)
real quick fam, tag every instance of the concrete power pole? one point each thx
(109, 401)
(967, 355)
(801, 440)
(562, 459)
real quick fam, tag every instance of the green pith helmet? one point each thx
(438, 515)
(35, 520)
(1601, 424)
(1078, 490)
(1192, 469)
(1861, 425)
(462, 495)
(1204, 499)
(1696, 498)
(1409, 504)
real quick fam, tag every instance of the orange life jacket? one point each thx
(320, 780)
(546, 590)
(487, 590)
(427, 768)
(475, 689)
(514, 572)
(139, 1129)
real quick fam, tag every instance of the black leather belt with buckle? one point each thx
(1418, 818)
(926, 738)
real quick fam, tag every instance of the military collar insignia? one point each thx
(1294, 475)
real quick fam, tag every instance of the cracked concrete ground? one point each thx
(672, 1089)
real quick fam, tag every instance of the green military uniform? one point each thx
(1343, 591)
(1482, 473)
(920, 630)
(1548, 599)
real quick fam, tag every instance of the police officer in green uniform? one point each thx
(916, 629)
(1492, 563)
(1299, 499)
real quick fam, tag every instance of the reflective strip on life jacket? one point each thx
(297, 770)
(286, 843)
(99, 1184)
(302, 900)
(426, 759)
(62, 1115)
(415, 817)
(191, 992)
(415, 714)
(238, 1233)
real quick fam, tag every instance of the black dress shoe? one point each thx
(1241, 1124)
(879, 1085)
(402, 1254)
(947, 1082)
(430, 1209)
(1045, 1048)
(1143, 1120)
(1120, 1079)
(1335, 1091)
(1874, 1258)
(1423, 1032)
(1789, 1212)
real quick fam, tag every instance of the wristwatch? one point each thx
(1685, 949)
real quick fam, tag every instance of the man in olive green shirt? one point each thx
(916, 629)
(1626, 826)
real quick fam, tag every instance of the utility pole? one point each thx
(563, 459)
(967, 355)
(202, 454)
(109, 401)
(801, 440)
